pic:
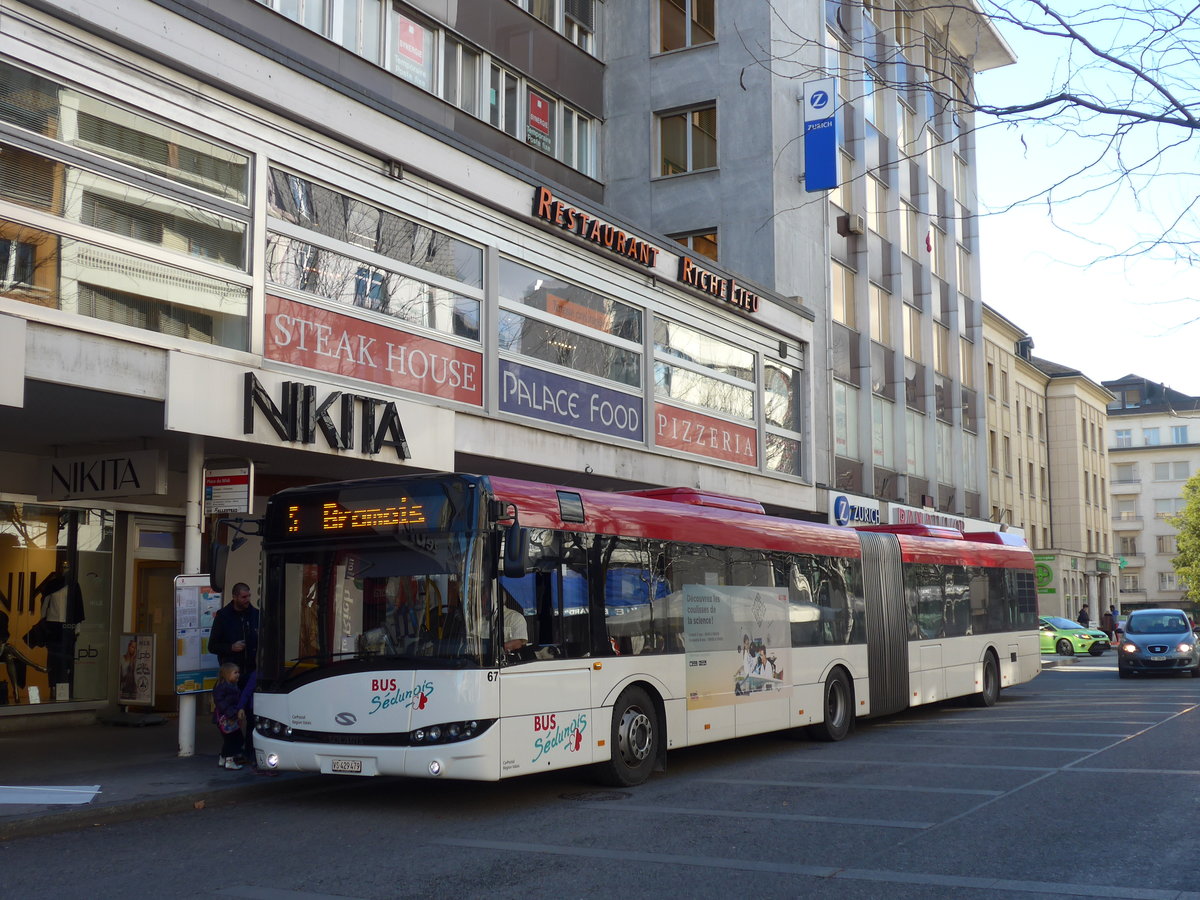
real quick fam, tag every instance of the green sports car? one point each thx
(1066, 638)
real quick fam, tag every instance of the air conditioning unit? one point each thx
(851, 224)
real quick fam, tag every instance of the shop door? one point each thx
(154, 613)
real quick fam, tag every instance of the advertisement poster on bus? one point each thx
(737, 639)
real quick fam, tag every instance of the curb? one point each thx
(87, 817)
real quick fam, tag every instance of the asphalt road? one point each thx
(1078, 784)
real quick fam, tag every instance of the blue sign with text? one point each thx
(568, 401)
(820, 135)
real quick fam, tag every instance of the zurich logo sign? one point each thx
(819, 99)
(847, 513)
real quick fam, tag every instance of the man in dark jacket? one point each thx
(234, 635)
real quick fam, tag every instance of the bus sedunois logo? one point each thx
(847, 513)
(345, 718)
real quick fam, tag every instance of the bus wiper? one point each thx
(314, 656)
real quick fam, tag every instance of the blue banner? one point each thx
(820, 135)
(527, 391)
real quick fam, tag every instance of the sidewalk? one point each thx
(137, 768)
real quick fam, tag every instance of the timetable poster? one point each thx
(737, 640)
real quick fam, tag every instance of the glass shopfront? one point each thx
(56, 568)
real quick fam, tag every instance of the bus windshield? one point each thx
(373, 605)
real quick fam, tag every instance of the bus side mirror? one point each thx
(516, 550)
(218, 561)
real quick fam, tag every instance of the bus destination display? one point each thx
(332, 517)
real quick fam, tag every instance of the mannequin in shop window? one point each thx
(14, 663)
(62, 611)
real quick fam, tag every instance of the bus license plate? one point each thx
(350, 766)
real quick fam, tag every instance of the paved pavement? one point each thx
(138, 772)
(137, 769)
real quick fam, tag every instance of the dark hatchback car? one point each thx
(1158, 640)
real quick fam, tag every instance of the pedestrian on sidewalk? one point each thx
(1108, 624)
(227, 715)
(1084, 618)
(234, 635)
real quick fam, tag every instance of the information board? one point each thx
(196, 603)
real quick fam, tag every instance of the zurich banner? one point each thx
(820, 135)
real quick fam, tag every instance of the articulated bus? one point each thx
(481, 628)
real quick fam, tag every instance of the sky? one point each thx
(1043, 269)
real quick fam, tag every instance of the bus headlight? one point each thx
(449, 732)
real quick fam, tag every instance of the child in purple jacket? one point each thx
(228, 716)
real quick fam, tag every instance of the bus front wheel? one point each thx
(634, 740)
(838, 708)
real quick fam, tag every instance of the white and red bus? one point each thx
(480, 628)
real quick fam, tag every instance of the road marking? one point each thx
(773, 817)
(847, 786)
(834, 873)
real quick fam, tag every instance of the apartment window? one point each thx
(1041, 425)
(312, 14)
(16, 264)
(1168, 508)
(991, 379)
(993, 458)
(1032, 483)
(941, 349)
(1150, 437)
(1126, 508)
(688, 140)
(1083, 428)
(579, 23)
(1179, 434)
(1167, 581)
(877, 205)
(1125, 473)
(460, 76)
(912, 333)
(841, 295)
(702, 242)
(1006, 444)
(503, 100)
(1171, 471)
(1166, 543)
(881, 329)
(1123, 437)
(1128, 546)
(575, 146)
(686, 23)
(910, 229)
(362, 28)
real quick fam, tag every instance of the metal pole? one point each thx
(191, 566)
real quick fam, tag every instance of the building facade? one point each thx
(1153, 439)
(711, 97)
(1048, 469)
(317, 240)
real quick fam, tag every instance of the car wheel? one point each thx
(1196, 671)
(1096, 650)
(1123, 672)
(1064, 648)
(991, 684)
(635, 740)
(839, 709)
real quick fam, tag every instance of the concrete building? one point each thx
(246, 245)
(1048, 468)
(1153, 440)
(710, 97)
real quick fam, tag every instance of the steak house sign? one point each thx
(603, 234)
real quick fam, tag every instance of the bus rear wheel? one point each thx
(634, 740)
(991, 683)
(838, 708)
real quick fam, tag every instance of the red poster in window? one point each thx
(410, 40)
(321, 339)
(692, 432)
(539, 113)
